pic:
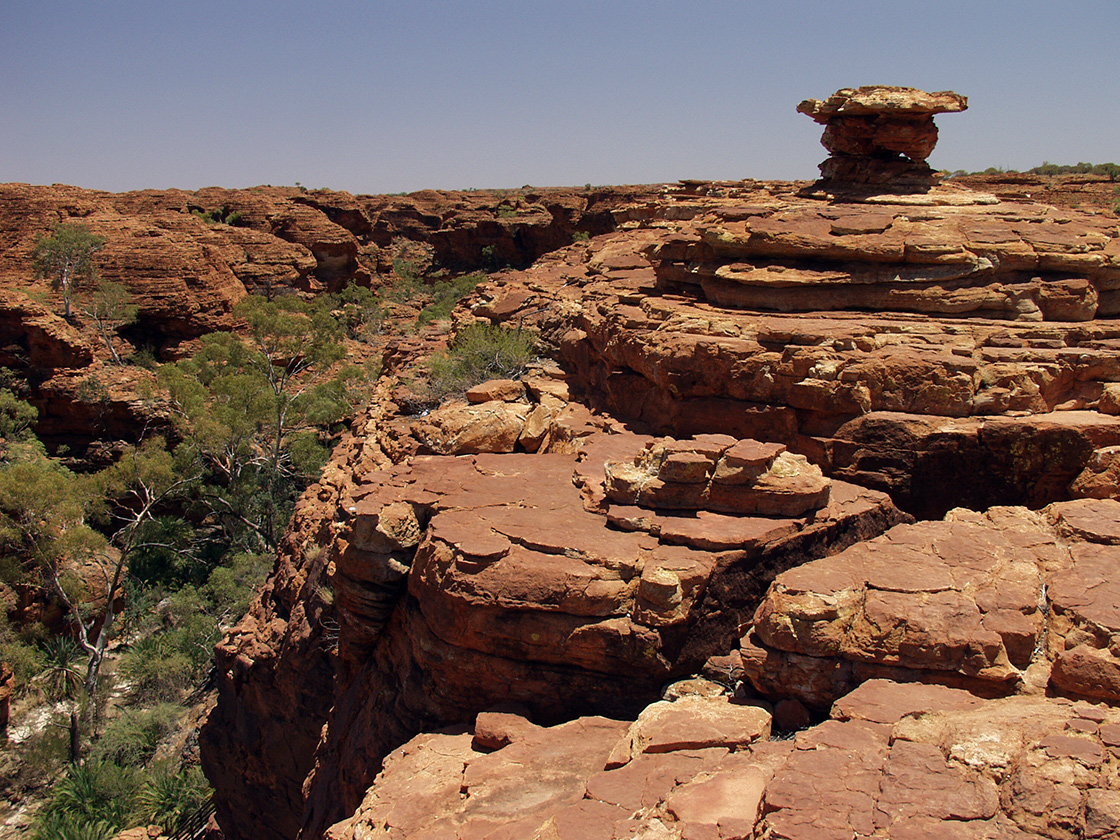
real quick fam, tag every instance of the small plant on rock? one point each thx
(480, 352)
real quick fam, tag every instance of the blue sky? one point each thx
(391, 96)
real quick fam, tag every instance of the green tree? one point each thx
(65, 258)
(16, 419)
(254, 410)
(127, 496)
(110, 307)
(44, 517)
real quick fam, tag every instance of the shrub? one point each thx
(231, 587)
(59, 825)
(90, 794)
(168, 797)
(26, 661)
(62, 677)
(480, 352)
(164, 555)
(159, 668)
(132, 738)
(1108, 170)
(359, 312)
(144, 357)
(16, 416)
(446, 294)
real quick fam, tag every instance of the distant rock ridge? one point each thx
(188, 257)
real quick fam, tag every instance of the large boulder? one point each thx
(998, 603)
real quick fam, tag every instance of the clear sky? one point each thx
(391, 96)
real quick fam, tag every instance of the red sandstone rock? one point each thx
(1100, 479)
(904, 761)
(718, 473)
(438, 785)
(857, 393)
(691, 723)
(457, 428)
(867, 129)
(966, 602)
(506, 390)
(946, 406)
(519, 592)
(274, 666)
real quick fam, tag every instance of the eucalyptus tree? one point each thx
(65, 258)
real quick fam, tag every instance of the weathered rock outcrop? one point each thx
(880, 135)
(997, 603)
(275, 666)
(187, 258)
(659, 322)
(903, 761)
(466, 582)
(465, 578)
(739, 363)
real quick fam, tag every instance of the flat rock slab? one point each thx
(516, 564)
(896, 760)
(974, 601)
(522, 557)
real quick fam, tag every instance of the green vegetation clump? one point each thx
(98, 798)
(65, 258)
(446, 294)
(184, 529)
(131, 739)
(174, 651)
(359, 311)
(480, 352)
(16, 419)
(1108, 170)
(220, 216)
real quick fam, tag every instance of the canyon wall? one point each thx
(561, 549)
(690, 529)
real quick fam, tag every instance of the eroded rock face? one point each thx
(895, 760)
(718, 473)
(880, 135)
(672, 322)
(948, 348)
(997, 603)
(464, 582)
(275, 668)
(187, 258)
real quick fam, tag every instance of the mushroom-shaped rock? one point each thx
(880, 134)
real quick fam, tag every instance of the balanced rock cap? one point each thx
(883, 100)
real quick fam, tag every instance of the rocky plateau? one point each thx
(805, 525)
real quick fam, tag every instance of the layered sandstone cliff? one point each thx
(669, 584)
(546, 545)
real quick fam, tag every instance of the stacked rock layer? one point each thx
(880, 135)
(686, 493)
